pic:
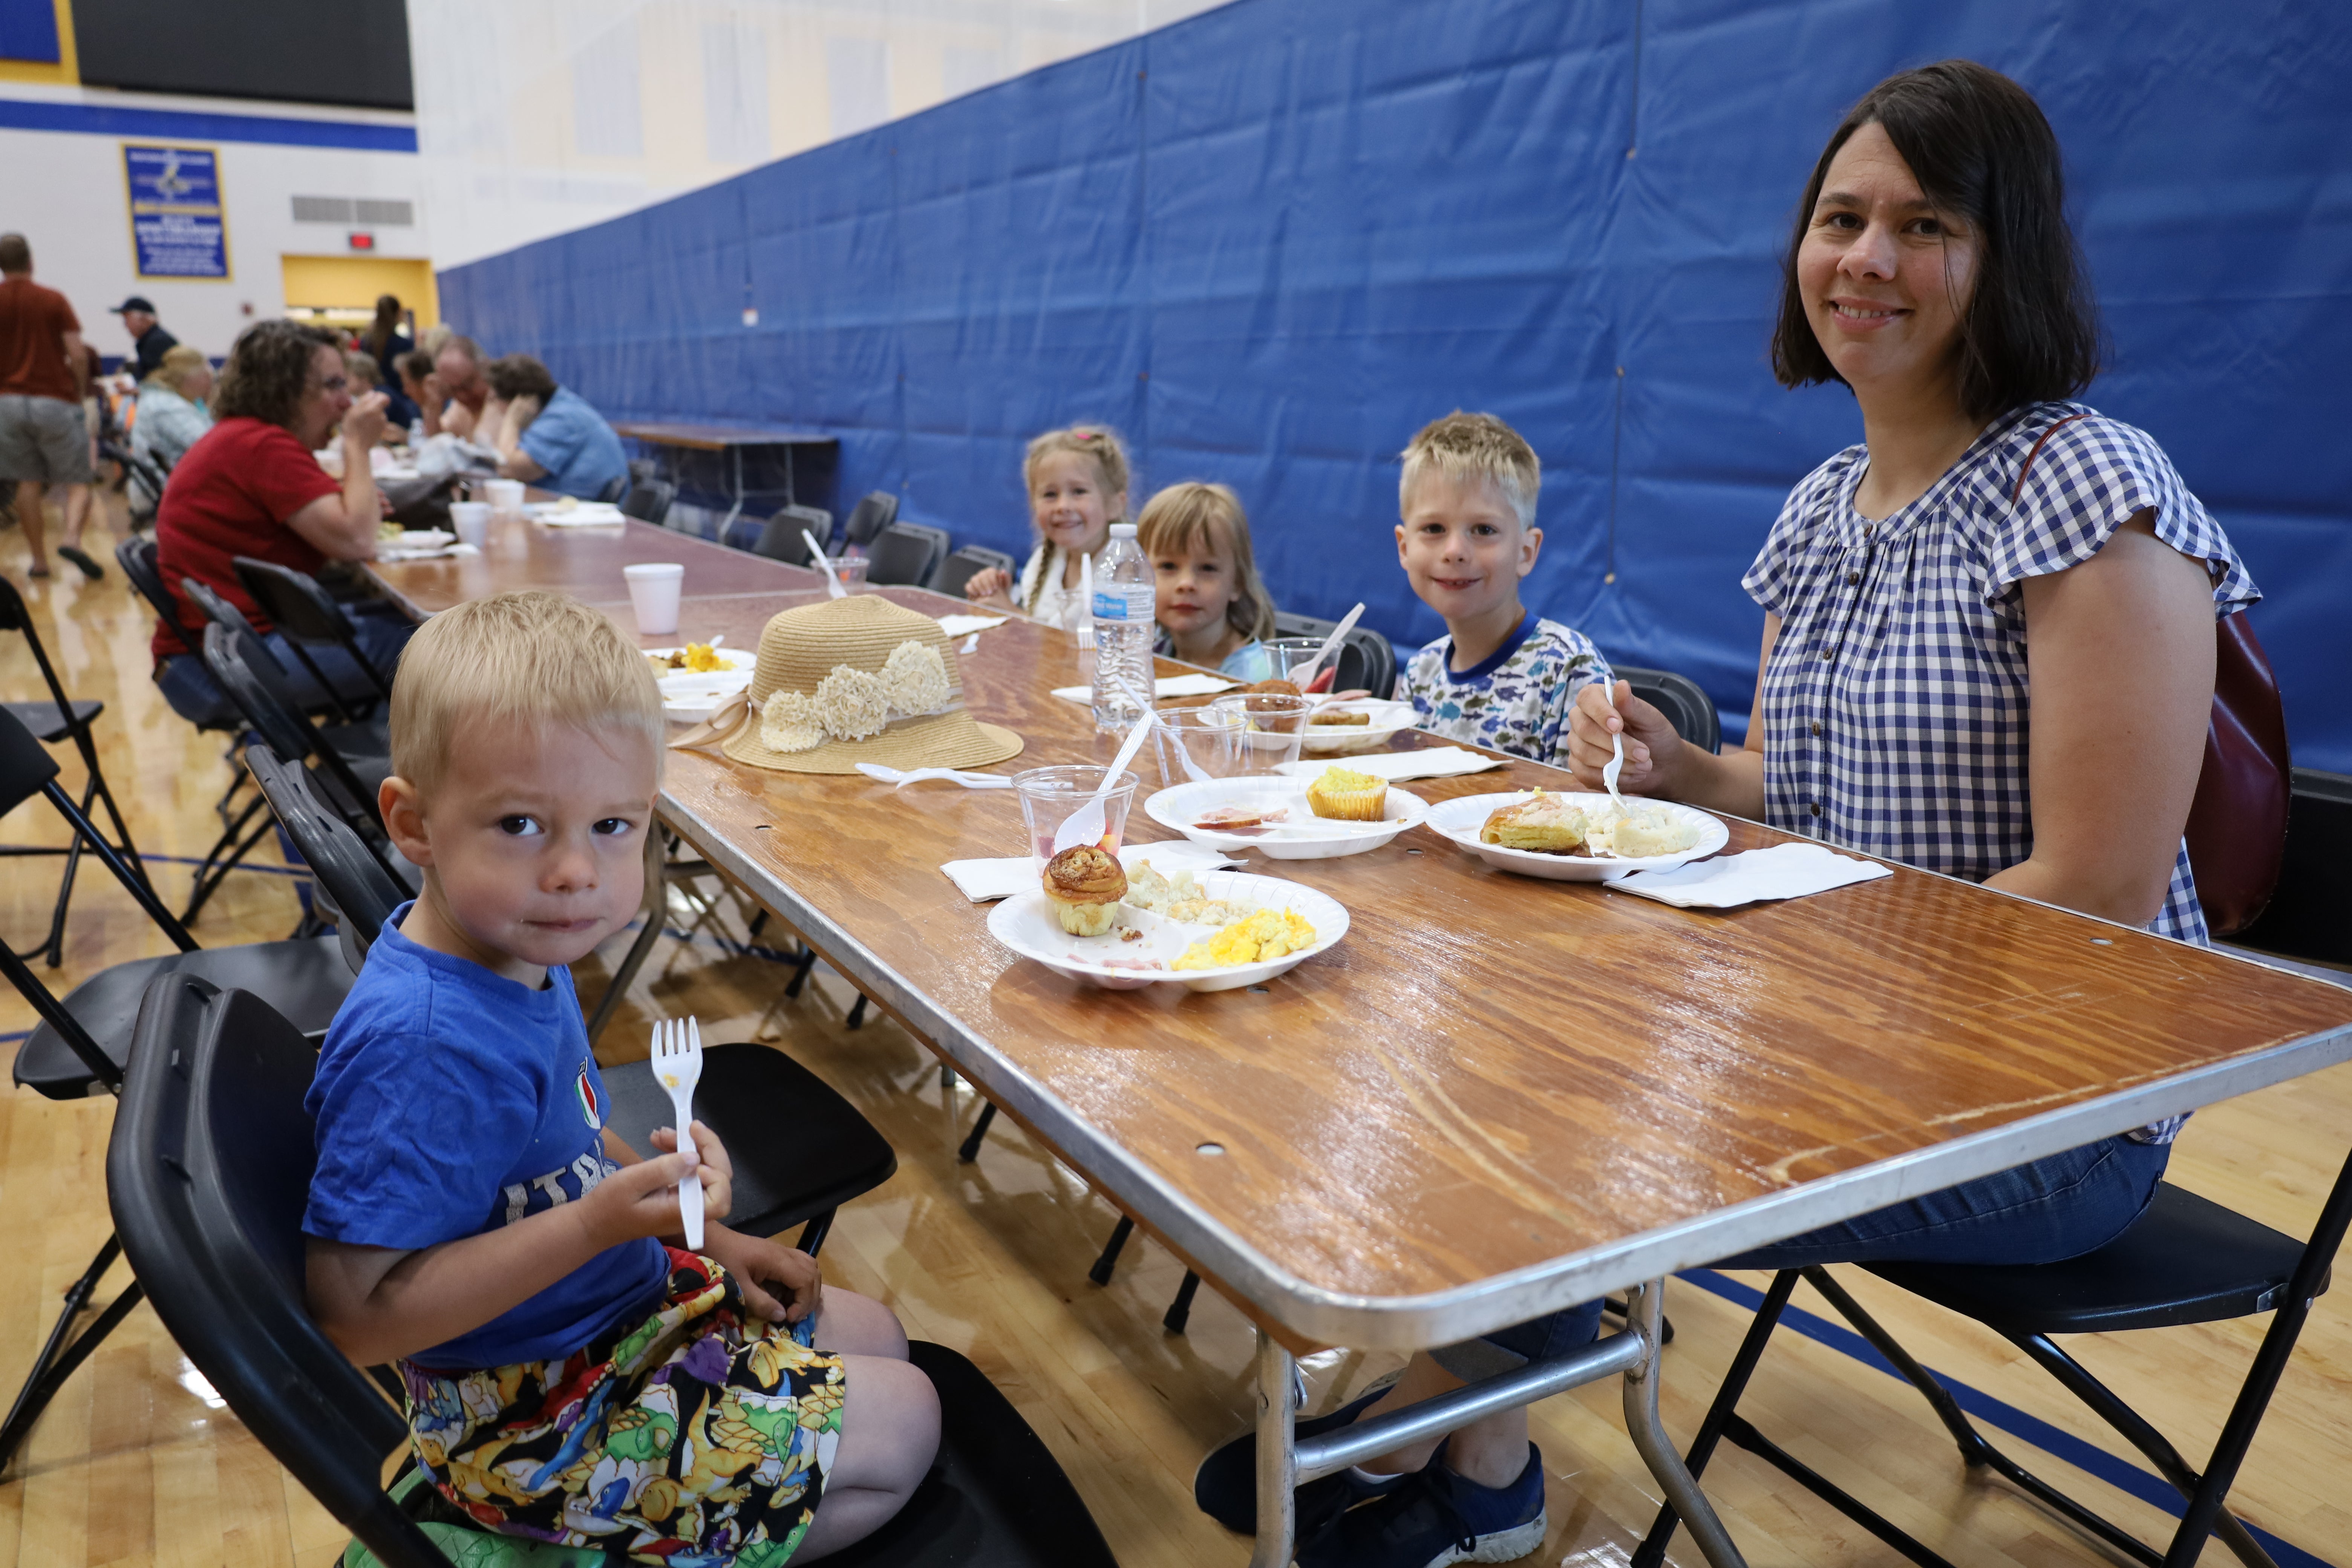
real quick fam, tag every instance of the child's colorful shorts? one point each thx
(701, 1437)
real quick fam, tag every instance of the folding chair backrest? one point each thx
(207, 1174)
(16, 616)
(295, 602)
(244, 667)
(878, 510)
(905, 555)
(216, 609)
(649, 500)
(966, 562)
(1682, 699)
(780, 538)
(359, 887)
(25, 763)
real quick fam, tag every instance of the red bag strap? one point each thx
(2026, 467)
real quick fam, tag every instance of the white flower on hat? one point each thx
(916, 678)
(789, 723)
(853, 703)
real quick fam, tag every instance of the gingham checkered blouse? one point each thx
(1895, 699)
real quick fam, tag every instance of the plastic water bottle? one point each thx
(1126, 603)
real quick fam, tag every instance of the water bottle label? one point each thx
(1135, 602)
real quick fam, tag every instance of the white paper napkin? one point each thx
(1432, 763)
(1783, 871)
(1165, 687)
(962, 625)
(981, 881)
(588, 514)
(431, 552)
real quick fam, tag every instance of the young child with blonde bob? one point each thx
(1078, 482)
(1214, 608)
(1500, 676)
(573, 1374)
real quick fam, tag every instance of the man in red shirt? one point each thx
(251, 486)
(43, 439)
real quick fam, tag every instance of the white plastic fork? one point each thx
(678, 1065)
(882, 772)
(1615, 766)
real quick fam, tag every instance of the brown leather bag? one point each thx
(2237, 823)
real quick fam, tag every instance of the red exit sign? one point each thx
(363, 242)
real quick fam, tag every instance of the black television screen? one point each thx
(296, 50)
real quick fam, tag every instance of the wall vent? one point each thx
(322, 209)
(366, 211)
(385, 214)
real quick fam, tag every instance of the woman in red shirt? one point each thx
(251, 486)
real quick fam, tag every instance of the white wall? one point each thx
(64, 193)
(535, 117)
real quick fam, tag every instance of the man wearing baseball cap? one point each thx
(139, 319)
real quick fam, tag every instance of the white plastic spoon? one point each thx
(833, 588)
(1086, 825)
(1305, 675)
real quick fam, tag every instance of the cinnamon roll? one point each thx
(1084, 886)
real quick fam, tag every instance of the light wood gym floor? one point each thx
(138, 1463)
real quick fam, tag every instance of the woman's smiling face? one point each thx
(1886, 276)
(1067, 500)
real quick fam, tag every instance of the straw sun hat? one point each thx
(799, 651)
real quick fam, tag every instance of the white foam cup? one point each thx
(506, 497)
(471, 520)
(653, 593)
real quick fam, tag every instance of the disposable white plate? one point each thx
(1388, 719)
(420, 538)
(1026, 924)
(1299, 836)
(690, 696)
(1460, 820)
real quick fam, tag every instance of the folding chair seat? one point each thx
(1682, 699)
(54, 719)
(875, 511)
(83, 1041)
(800, 1150)
(780, 537)
(649, 500)
(310, 618)
(905, 554)
(965, 563)
(2185, 1260)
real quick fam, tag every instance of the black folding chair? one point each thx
(2184, 1260)
(649, 500)
(800, 1150)
(780, 537)
(964, 564)
(876, 511)
(346, 779)
(1680, 698)
(78, 1048)
(60, 718)
(905, 555)
(309, 617)
(152, 477)
(208, 1172)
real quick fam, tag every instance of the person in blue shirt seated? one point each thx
(1213, 605)
(573, 1374)
(550, 436)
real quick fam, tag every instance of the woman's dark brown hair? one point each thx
(1981, 149)
(384, 328)
(520, 375)
(268, 371)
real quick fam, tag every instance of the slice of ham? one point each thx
(1228, 818)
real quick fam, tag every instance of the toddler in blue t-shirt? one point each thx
(572, 1373)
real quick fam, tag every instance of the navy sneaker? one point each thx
(1438, 1519)
(1225, 1485)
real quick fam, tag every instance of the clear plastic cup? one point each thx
(654, 588)
(1289, 653)
(471, 520)
(1275, 725)
(1048, 796)
(851, 571)
(506, 497)
(1196, 743)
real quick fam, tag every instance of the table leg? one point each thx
(737, 509)
(1643, 1312)
(1278, 1458)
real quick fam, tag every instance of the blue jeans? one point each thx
(383, 632)
(2051, 1209)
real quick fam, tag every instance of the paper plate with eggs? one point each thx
(1287, 818)
(1572, 836)
(696, 678)
(1211, 932)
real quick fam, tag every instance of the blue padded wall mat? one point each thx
(1270, 242)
